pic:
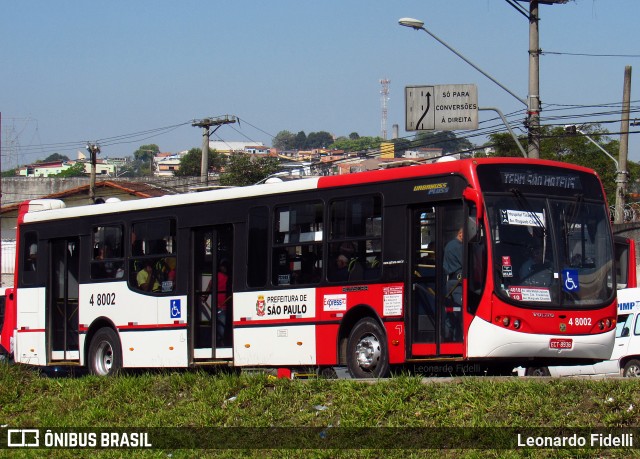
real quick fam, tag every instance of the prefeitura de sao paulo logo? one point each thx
(260, 305)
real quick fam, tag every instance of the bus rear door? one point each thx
(62, 300)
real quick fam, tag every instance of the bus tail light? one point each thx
(509, 322)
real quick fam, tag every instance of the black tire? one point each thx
(537, 371)
(632, 369)
(367, 354)
(105, 353)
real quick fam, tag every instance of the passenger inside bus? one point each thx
(146, 278)
(223, 300)
(452, 264)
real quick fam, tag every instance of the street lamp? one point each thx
(417, 24)
(532, 103)
(573, 129)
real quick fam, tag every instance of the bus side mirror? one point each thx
(474, 196)
(625, 333)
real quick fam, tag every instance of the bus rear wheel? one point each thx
(105, 353)
(632, 369)
(538, 371)
(367, 354)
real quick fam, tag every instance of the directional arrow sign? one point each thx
(441, 107)
(420, 113)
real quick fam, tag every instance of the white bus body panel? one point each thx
(144, 323)
(275, 345)
(488, 340)
(263, 342)
(30, 344)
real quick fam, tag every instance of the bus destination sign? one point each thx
(541, 179)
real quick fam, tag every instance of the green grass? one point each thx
(195, 400)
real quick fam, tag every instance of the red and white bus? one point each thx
(351, 271)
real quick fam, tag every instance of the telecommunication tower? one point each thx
(384, 98)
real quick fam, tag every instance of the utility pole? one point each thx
(206, 124)
(533, 99)
(621, 177)
(94, 150)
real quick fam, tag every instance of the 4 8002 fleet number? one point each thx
(103, 299)
(580, 321)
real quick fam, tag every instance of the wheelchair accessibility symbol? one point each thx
(176, 311)
(570, 282)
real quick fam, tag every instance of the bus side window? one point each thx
(355, 239)
(108, 256)
(29, 258)
(297, 245)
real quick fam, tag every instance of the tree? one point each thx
(146, 152)
(400, 146)
(301, 141)
(77, 170)
(243, 169)
(191, 163)
(359, 144)
(10, 173)
(354, 136)
(56, 157)
(284, 140)
(142, 162)
(320, 139)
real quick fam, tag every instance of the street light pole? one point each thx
(417, 24)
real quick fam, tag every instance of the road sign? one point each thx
(447, 107)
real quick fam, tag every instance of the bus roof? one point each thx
(466, 166)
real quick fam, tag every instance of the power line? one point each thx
(589, 54)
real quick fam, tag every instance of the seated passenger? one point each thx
(146, 278)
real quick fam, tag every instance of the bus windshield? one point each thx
(551, 250)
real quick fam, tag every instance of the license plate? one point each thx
(560, 343)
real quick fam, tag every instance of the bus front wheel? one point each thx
(632, 369)
(367, 354)
(105, 353)
(538, 371)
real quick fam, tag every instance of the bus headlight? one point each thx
(516, 323)
(506, 321)
(601, 325)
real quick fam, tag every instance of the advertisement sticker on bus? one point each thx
(522, 218)
(530, 293)
(275, 305)
(392, 301)
(334, 302)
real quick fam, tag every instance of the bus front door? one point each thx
(62, 300)
(211, 297)
(435, 313)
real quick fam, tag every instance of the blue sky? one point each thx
(75, 71)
